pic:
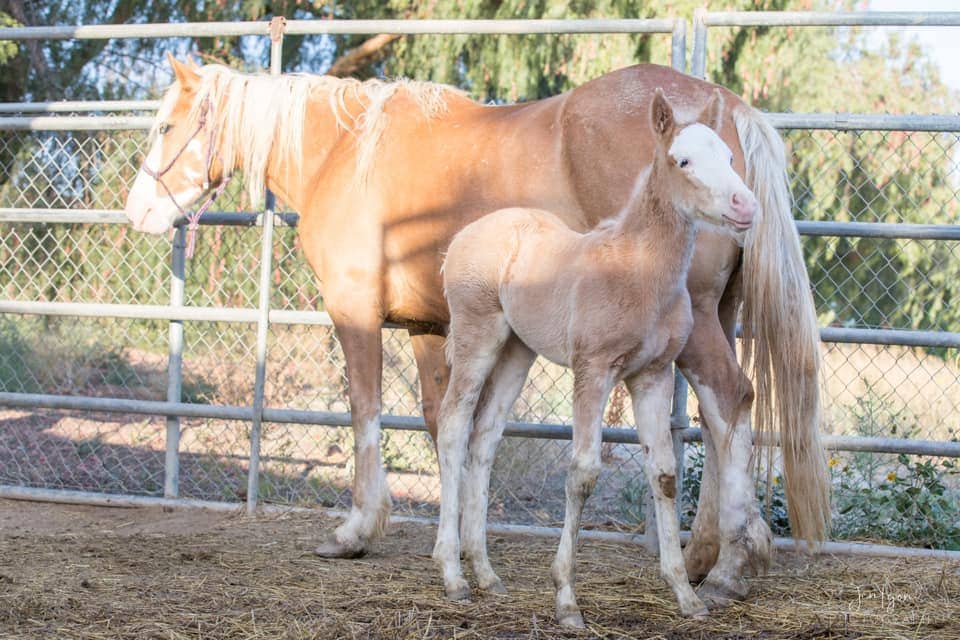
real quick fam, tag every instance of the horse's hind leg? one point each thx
(359, 331)
(701, 551)
(651, 397)
(476, 341)
(732, 527)
(499, 395)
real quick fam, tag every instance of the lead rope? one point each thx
(193, 219)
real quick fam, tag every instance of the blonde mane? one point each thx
(256, 114)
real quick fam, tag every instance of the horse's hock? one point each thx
(86, 338)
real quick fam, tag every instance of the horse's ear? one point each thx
(185, 74)
(661, 116)
(712, 114)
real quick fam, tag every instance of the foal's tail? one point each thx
(781, 340)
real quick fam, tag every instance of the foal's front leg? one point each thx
(590, 390)
(651, 396)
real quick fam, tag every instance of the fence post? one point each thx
(678, 413)
(678, 45)
(171, 470)
(277, 26)
(698, 63)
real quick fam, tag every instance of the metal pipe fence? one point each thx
(260, 308)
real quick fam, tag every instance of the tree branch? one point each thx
(358, 57)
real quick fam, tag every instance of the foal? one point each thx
(612, 304)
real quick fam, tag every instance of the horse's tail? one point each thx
(781, 339)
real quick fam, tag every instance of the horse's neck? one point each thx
(329, 114)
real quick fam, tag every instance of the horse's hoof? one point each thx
(333, 549)
(495, 587)
(699, 559)
(458, 594)
(572, 620)
(717, 595)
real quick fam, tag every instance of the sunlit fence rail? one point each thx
(103, 329)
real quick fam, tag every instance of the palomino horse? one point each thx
(621, 311)
(384, 174)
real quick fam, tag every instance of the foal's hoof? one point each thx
(719, 594)
(696, 609)
(333, 549)
(494, 587)
(458, 594)
(571, 620)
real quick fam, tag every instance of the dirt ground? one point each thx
(98, 572)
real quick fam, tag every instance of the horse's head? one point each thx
(702, 182)
(182, 163)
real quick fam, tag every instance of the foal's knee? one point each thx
(582, 477)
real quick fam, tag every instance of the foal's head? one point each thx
(699, 173)
(182, 164)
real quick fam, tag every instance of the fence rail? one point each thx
(263, 316)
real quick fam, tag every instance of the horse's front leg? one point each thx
(590, 390)
(359, 331)
(651, 398)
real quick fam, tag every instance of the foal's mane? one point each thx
(256, 114)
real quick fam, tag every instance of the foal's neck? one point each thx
(651, 220)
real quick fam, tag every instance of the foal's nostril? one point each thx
(743, 204)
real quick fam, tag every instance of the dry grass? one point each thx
(910, 389)
(96, 573)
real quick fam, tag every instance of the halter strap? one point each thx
(193, 218)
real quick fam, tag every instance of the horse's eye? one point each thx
(684, 163)
(163, 128)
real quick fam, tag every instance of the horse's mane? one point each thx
(259, 113)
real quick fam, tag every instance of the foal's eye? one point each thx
(163, 128)
(684, 163)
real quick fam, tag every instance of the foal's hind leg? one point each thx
(651, 396)
(499, 395)
(476, 342)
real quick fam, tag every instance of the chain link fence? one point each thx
(860, 283)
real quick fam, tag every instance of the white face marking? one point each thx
(699, 151)
(148, 205)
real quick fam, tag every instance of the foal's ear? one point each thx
(186, 74)
(661, 116)
(712, 113)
